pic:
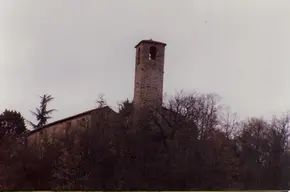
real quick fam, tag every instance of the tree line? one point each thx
(194, 143)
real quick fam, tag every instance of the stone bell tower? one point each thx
(149, 72)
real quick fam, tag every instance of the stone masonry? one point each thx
(149, 72)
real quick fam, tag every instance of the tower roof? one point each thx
(150, 41)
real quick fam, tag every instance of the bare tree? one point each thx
(101, 102)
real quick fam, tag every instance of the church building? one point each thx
(148, 92)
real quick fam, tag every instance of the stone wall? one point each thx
(148, 89)
(59, 129)
(98, 118)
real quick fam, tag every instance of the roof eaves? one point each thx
(65, 119)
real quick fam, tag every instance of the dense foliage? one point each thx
(195, 144)
(11, 124)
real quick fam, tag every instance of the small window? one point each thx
(152, 53)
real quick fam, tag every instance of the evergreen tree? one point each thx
(42, 114)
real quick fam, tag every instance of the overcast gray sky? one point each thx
(77, 49)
